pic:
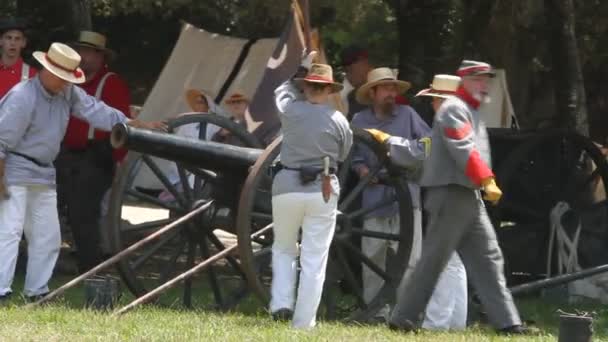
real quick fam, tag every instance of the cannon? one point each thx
(237, 179)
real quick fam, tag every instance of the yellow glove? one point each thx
(491, 190)
(378, 135)
(427, 145)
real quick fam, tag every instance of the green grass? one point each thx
(66, 320)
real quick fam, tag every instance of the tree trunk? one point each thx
(567, 70)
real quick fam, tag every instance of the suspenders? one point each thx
(25, 72)
(98, 93)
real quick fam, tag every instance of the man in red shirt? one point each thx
(87, 160)
(12, 67)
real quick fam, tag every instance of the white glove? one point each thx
(307, 59)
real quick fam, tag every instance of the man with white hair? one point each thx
(458, 177)
(33, 119)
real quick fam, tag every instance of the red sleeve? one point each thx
(33, 71)
(116, 94)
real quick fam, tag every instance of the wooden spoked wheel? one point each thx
(343, 294)
(171, 191)
(547, 170)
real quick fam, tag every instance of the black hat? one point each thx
(351, 54)
(12, 23)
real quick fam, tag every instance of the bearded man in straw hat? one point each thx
(33, 119)
(456, 172)
(12, 42)
(305, 191)
(236, 104)
(87, 160)
(379, 95)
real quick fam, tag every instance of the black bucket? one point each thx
(101, 292)
(575, 328)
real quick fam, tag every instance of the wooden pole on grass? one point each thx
(171, 283)
(122, 254)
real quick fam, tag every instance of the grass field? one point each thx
(67, 321)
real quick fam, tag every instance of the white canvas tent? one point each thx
(203, 60)
(498, 113)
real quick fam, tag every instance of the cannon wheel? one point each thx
(345, 255)
(542, 171)
(179, 249)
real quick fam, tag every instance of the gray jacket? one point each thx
(460, 150)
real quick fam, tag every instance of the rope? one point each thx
(567, 249)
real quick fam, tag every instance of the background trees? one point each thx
(555, 51)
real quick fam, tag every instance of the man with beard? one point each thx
(12, 42)
(458, 177)
(87, 160)
(380, 94)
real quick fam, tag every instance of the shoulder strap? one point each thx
(101, 85)
(25, 72)
(98, 93)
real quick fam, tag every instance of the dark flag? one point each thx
(262, 118)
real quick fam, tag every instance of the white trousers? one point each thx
(447, 308)
(376, 250)
(32, 210)
(318, 222)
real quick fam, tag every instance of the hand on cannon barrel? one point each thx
(151, 125)
(492, 192)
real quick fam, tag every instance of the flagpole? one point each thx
(304, 5)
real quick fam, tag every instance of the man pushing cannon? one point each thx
(33, 119)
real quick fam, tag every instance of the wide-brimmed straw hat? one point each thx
(321, 73)
(376, 77)
(95, 41)
(62, 61)
(193, 95)
(236, 97)
(443, 86)
(475, 68)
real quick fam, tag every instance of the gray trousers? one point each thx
(457, 221)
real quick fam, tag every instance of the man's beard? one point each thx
(387, 106)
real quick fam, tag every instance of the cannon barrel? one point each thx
(199, 153)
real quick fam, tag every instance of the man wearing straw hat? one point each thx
(33, 119)
(87, 160)
(12, 42)
(236, 104)
(447, 308)
(305, 191)
(379, 95)
(456, 174)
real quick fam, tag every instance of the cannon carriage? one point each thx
(238, 179)
(537, 170)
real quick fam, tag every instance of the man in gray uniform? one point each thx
(33, 119)
(315, 137)
(457, 169)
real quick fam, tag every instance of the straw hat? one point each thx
(376, 77)
(62, 61)
(474, 68)
(321, 73)
(95, 41)
(193, 96)
(236, 97)
(443, 86)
